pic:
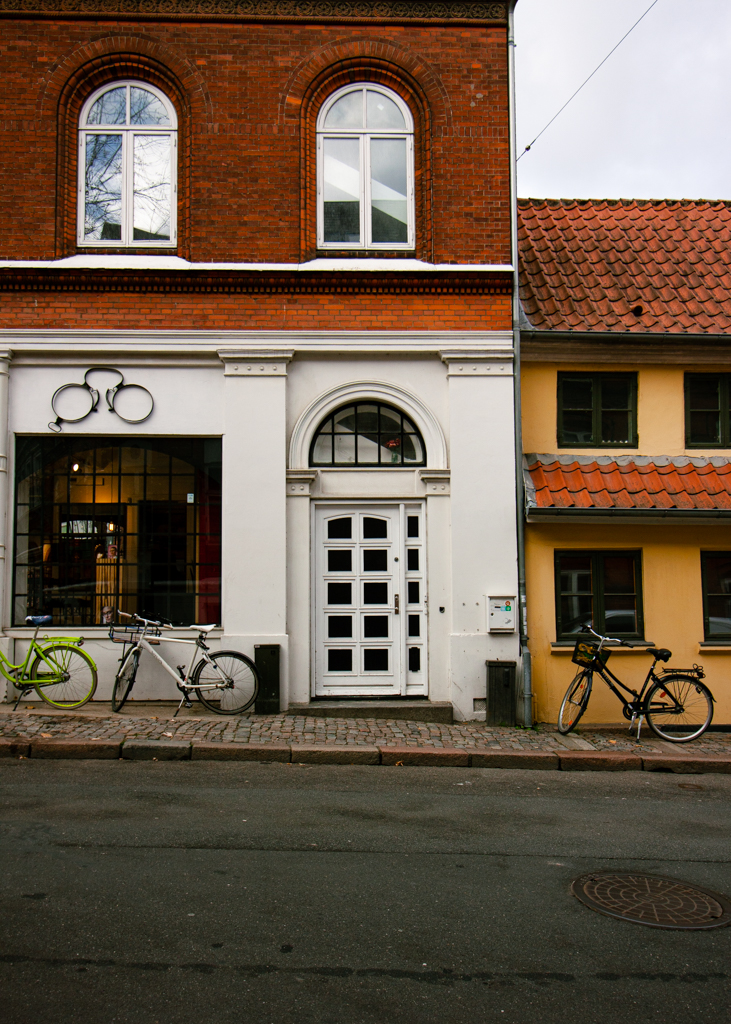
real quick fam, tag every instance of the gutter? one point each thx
(675, 514)
(525, 658)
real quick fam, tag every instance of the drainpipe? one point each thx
(525, 659)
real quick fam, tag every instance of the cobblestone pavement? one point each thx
(34, 724)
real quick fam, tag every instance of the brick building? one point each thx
(269, 247)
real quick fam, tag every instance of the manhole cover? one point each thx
(653, 900)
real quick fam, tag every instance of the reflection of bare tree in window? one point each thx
(129, 175)
(103, 209)
(146, 108)
(151, 186)
(111, 108)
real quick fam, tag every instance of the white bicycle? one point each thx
(226, 682)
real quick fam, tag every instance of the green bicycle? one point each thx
(61, 674)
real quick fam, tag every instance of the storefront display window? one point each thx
(103, 523)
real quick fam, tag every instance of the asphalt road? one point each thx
(174, 893)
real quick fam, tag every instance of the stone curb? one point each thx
(305, 753)
(432, 757)
(514, 759)
(588, 761)
(80, 750)
(14, 747)
(203, 751)
(156, 750)
(310, 753)
(684, 765)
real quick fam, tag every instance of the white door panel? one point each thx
(369, 593)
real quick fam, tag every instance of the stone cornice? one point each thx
(274, 282)
(358, 11)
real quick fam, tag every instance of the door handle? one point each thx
(396, 604)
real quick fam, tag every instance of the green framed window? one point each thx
(707, 413)
(716, 577)
(597, 410)
(602, 589)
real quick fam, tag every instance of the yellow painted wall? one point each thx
(673, 610)
(660, 408)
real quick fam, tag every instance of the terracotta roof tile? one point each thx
(567, 481)
(585, 265)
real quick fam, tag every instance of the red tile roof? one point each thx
(586, 265)
(561, 482)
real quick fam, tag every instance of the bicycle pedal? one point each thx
(187, 704)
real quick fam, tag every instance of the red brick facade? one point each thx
(247, 95)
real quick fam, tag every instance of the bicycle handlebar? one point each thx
(147, 622)
(611, 639)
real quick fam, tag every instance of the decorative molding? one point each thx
(363, 391)
(262, 10)
(497, 362)
(300, 481)
(254, 283)
(255, 362)
(436, 481)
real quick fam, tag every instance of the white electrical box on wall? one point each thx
(501, 614)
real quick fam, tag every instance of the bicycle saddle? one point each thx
(38, 620)
(204, 629)
(661, 653)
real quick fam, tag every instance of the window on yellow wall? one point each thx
(716, 576)
(707, 410)
(602, 589)
(597, 410)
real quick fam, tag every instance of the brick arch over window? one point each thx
(73, 80)
(382, 63)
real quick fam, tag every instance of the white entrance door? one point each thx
(370, 600)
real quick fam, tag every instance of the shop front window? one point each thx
(103, 523)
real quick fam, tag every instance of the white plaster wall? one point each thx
(483, 527)
(188, 399)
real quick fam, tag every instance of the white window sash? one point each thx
(127, 132)
(366, 229)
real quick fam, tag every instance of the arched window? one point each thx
(365, 170)
(127, 167)
(367, 434)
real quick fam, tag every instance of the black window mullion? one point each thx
(597, 580)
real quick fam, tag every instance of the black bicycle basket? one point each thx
(587, 654)
(131, 634)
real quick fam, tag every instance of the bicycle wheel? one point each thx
(125, 678)
(239, 690)
(64, 676)
(574, 703)
(679, 708)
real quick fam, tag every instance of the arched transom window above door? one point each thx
(367, 434)
(127, 167)
(365, 170)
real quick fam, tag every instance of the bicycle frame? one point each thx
(631, 709)
(18, 674)
(143, 644)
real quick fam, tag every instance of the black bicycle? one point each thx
(677, 706)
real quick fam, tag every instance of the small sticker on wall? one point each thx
(191, 499)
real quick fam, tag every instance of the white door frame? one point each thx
(410, 618)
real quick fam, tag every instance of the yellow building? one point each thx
(626, 419)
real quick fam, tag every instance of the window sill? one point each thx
(714, 645)
(567, 647)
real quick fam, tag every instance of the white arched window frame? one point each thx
(128, 149)
(365, 170)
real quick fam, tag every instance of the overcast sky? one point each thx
(653, 123)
